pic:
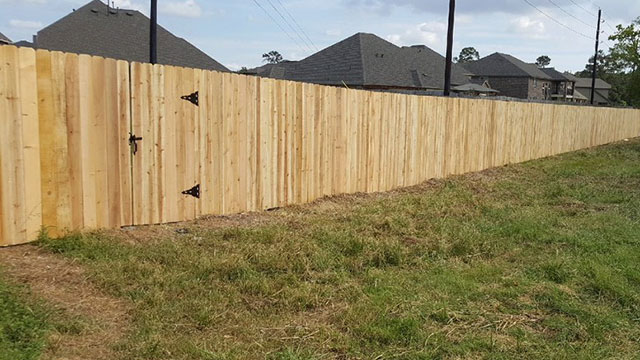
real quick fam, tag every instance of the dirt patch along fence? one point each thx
(68, 160)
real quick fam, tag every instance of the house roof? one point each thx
(578, 95)
(586, 83)
(499, 64)
(98, 30)
(4, 39)
(599, 97)
(367, 60)
(23, 43)
(570, 76)
(472, 87)
(556, 75)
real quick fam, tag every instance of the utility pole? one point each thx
(153, 32)
(595, 60)
(447, 68)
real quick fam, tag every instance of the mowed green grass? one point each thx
(538, 260)
(23, 322)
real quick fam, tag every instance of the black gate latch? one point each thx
(194, 191)
(192, 98)
(133, 142)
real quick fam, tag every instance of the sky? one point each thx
(237, 32)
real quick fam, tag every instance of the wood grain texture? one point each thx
(31, 142)
(251, 144)
(12, 164)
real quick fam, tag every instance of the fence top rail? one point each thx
(343, 89)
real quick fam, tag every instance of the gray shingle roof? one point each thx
(556, 75)
(499, 64)
(474, 87)
(586, 83)
(570, 76)
(119, 34)
(4, 39)
(367, 60)
(23, 43)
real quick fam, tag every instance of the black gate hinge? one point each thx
(194, 191)
(192, 98)
(133, 142)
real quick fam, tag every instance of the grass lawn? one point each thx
(537, 260)
(23, 323)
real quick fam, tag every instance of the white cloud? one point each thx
(38, 2)
(333, 32)
(25, 24)
(428, 33)
(186, 8)
(132, 5)
(530, 28)
(463, 19)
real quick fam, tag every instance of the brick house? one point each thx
(366, 61)
(563, 86)
(512, 77)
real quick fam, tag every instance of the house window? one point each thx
(535, 83)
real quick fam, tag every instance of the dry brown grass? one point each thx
(68, 290)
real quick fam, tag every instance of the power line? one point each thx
(558, 22)
(610, 27)
(583, 8)
(290, 26)
(298, 25)
(570, 14)
(280, 26)
(594, 4)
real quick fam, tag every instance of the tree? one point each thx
(624, 60)
(467, 54)
(610, 73)
(621, 66)
(272, 57)
(626, 52)
(605, 66)
(543, 61)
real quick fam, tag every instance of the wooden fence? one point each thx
(250, 144)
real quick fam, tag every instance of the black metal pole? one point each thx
(153, 33)
(595, 60)
(447, 68)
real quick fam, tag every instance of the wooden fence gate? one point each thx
(196, 135)
(165, 141)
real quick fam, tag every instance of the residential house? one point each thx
(366, 61)
(4, 40)
(562, 86)
(512, 77)
(98, 29)
(583, 86)
(473, 89)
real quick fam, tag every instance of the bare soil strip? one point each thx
(65, 287)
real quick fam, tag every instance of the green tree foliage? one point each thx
(543, 61)
(621, 66)
(467, 54)
(626, 52)
(272, 57)
(608, 71)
